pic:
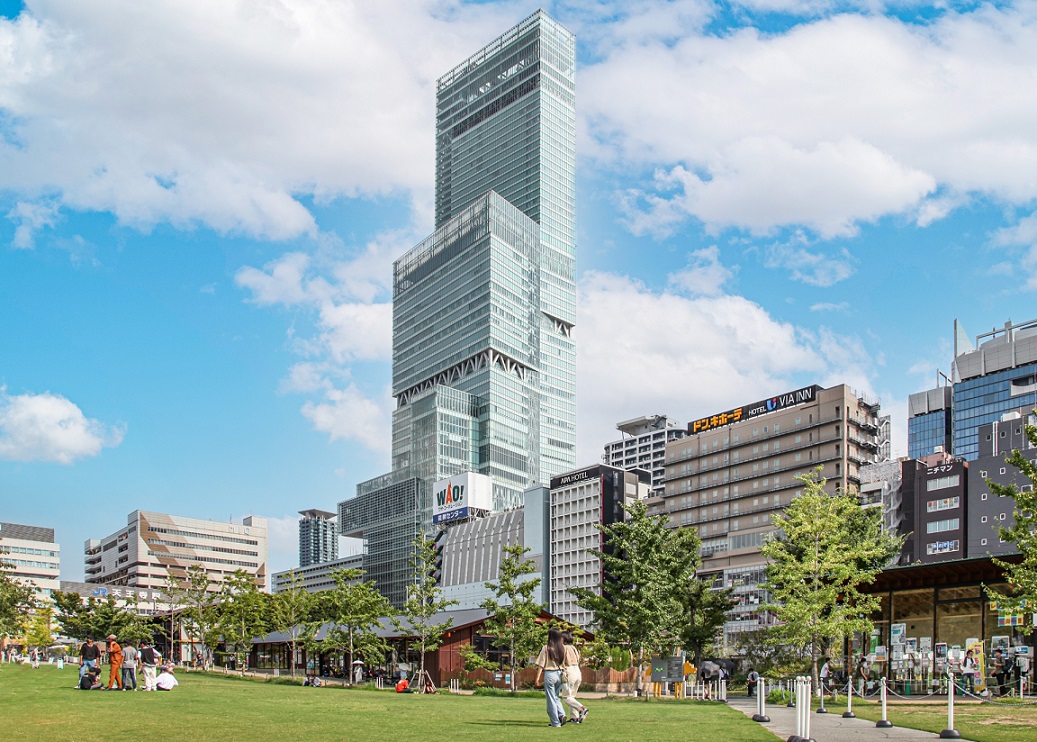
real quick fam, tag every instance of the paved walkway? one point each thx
(830, 727)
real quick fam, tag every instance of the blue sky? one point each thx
(200, 204)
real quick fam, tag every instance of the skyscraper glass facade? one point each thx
(983, 400)
(926, 432)
(318, 537)
(484, 365)
(506, 122)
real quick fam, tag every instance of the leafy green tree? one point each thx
(98, 617)
(38, 633)
(355, 608)
(816, 568)
(291, 611)
(16, 600)
(703, 611)
(72, 615)
(1022, 575)
(513, 610)
(175, 591)
(201, 611)
(647, 568)
(424, 601)
(471, 660)
(243, 613)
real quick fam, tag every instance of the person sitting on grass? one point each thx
(403, 686)
(166, 680)
(91, 679)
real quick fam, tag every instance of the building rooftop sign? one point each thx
(749, 411)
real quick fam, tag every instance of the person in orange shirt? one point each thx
(115, 660)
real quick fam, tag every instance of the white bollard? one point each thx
(761, 702)
(950, 732)
(883, 723)
(848, 714)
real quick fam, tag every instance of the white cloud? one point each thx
(48, 427)
(645, 352)
(29, 218)
(827, 306)
(348, 297)
(223, 113)
(812, 268)
(704, 275)
(835, 122)
(350, 415)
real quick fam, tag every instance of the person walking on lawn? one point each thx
(550, 664)
(572, 677)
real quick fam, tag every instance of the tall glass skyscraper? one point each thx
(484, 364)
(486, 304)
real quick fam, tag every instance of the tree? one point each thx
(472, 660)
(175, 590)
(647, 568)
(242, 615)
(98, 618)
(424, 601)
(290, 612)
(201, 610)
(816, 566)
(703, 613)
(513, 611)
(38, 633)
(1022, 575)
(16, 600)
(355, 608)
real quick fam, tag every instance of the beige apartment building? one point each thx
(737, 468)
(31, 557)
(153, 546)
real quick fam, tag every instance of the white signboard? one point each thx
(460, 495)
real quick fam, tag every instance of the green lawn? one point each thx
(982, 722)
(42, 705)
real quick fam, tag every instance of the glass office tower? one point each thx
(484, 364)
(994, 376)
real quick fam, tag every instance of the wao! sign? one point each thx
(460, 496)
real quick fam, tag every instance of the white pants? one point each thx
(572, 677)
(149, 677)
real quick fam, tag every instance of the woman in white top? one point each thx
(572, 677)
(968, 671)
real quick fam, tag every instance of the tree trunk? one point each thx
(641, 671)
(513, 673)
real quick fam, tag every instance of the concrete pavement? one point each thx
(830, 727)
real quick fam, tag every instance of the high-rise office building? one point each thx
(737, 468)
(30, 556)
(989, 378)
(318, 537)
(484, 364)
(580, 501)
(154, 546)
(643, 446)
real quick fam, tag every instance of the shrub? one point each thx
(501, 693)
(778, 696)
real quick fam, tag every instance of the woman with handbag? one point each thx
(550, 663)
(572, 677)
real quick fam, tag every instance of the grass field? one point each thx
(42, 705)
(981, 722)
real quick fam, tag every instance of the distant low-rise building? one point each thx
(316, 578)
(154, 546)
(30, 555)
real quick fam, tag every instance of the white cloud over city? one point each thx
(48, 427)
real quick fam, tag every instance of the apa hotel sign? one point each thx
(749, 411)
(460, 496)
